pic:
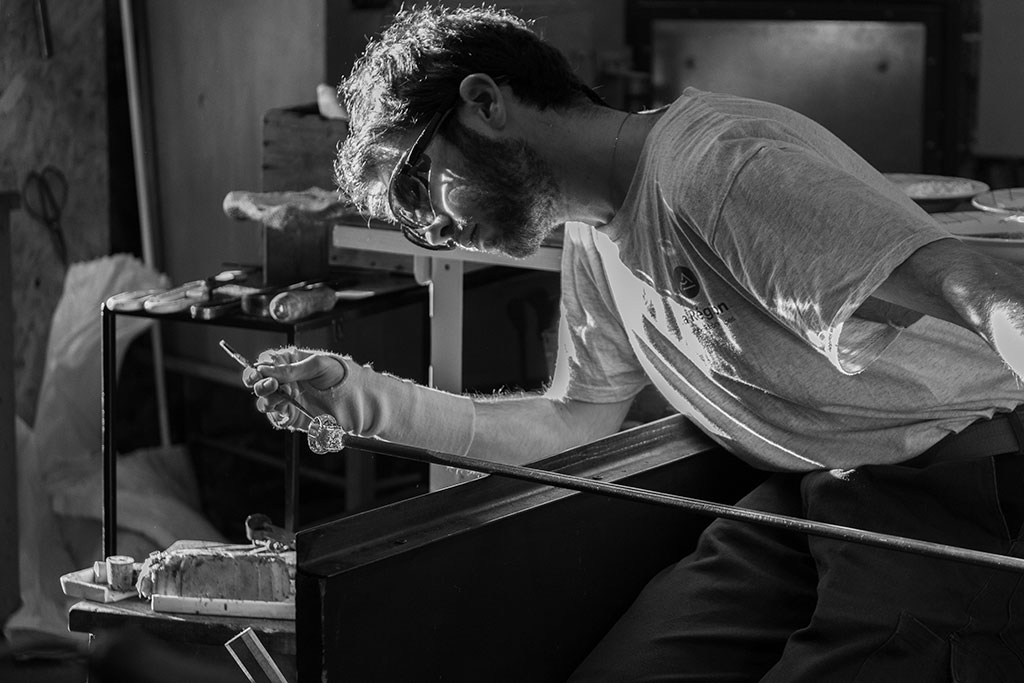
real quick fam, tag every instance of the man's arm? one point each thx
(512, 429)
(527, 428)
(947, 280)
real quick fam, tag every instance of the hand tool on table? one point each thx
(290, 303)
(325, 435)
(133, 300)
(217, 305)
(295, 304)
(176, 299)
(198, 293)
(258, 528)
(258, 302)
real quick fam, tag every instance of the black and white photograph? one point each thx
(536, 341)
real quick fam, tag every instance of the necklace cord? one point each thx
(615, 149)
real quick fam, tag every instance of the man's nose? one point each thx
(441, 230)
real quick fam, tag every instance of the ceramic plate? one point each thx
(998, 235)
(936, 192)
(1009, 200)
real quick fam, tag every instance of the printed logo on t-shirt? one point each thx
(686, 282)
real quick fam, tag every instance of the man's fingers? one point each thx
(273, 403)
(276, 372)
(265, 386)
(308, 368)
(274, 357)
(250, 376)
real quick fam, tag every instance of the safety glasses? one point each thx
(409, 189)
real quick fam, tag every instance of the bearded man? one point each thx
(776, 289)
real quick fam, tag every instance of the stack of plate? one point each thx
(997, 229)
(1008, 201)
(936, 193)
(996, 234)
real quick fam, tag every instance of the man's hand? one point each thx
(307, 376)
(362, 401)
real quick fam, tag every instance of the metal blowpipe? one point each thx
(703, 507)
(324, 435)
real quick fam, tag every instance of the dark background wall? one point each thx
(53, 112)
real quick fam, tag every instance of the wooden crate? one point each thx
(299, 147)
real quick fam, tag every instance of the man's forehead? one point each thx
(388, 148)
(386, 157)
(386, 151)
(401, 139)
(395, 142)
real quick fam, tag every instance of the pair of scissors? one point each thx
(45, 193)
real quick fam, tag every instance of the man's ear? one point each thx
(484, 101)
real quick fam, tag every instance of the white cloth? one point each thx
(59, 468)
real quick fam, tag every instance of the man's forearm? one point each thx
(504, 428)
(527, 428)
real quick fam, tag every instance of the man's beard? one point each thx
(512, 188)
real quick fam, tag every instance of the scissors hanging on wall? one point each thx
(45, 194)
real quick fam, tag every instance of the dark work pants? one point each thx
(754, 603)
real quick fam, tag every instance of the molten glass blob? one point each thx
(325, 435)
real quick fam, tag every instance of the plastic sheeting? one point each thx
(59, 461)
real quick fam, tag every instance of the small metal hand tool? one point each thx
(259, 529)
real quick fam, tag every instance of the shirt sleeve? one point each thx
(595, 361)
(810, 242)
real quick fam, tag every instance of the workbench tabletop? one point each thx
(277, 635)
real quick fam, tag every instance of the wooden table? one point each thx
(491, 580)
(194, 640)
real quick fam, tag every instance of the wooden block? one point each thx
(299, 147)
(295, 257)
(83, 584)
(298, 153)
(225, 607)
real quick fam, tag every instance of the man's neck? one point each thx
(594, 156)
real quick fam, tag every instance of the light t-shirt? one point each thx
(736, 278)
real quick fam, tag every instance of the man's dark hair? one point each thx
(414, 69)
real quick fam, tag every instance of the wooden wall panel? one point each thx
(216, 69)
